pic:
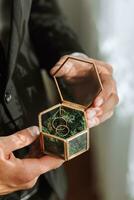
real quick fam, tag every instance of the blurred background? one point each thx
(105, 29)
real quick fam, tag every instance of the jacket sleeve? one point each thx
(50, 34)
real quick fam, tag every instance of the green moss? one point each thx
(75, 121)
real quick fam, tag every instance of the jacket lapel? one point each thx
(16, 29)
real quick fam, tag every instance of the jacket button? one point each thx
(8, 97)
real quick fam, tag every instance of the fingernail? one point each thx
(99, 102)
(93, 122)
(34, 130)
(91, 114)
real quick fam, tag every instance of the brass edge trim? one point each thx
(40, 124)
(88, 138)
(85, 119)
(43, 112)
(77, 154)
(77, 135)
(82, 60)
(99, 79)
(53, 136)
(89, 60)
(54, 155)
(67, 150)
(58, 88)
(49, 109)
(42, 143)
(61, 65)
(73, 105)
(96, 69)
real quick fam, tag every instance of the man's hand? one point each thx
(104, 104)
(19, 174)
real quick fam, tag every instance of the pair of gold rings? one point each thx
(59, 124)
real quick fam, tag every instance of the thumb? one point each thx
(58, 65)
(20, 139)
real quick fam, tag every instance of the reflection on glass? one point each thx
(78, 144)
(78, 81)
(53, 145)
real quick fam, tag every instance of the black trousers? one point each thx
(44, 192)
(41, 191)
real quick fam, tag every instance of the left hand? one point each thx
(104, 104)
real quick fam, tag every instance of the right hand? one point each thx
(20, 174)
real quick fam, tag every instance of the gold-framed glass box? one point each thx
(63, 127)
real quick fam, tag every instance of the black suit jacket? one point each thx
(39, 37)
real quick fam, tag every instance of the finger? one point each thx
(93, 122)
(109, 104)
(28, 185)
(57, 66)
(15, 187)
(103, 67)
(98, 115)
(71, 67)
(97, 120)
(19, 139)
(67, 68)
(106, 116)
(93, 112)
(32, 168)
(109, 87)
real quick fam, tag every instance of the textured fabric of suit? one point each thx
(39, 37)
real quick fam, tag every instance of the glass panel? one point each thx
(54, 146)
(78, 144)
(78, 81)
(63, 122)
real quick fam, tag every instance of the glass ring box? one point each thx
(63, 127)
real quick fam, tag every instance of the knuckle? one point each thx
(1, 151)
(116, 99)
(29, 185)
(20, 138)
(106, 116)
(114, 82)
(23, 179)
(23, 176)
(1, 146)
(110, 114)
(58, 165)
(27, 177)
(110, 68)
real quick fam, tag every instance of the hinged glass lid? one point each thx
(78, 81)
